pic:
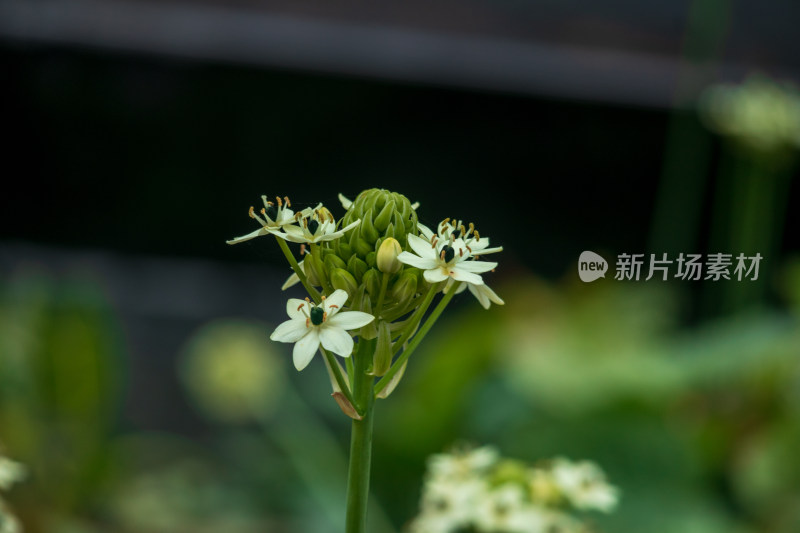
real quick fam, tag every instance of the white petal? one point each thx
(482, 298)
(294, 308)
(487, 251)
(335, 302)
(257, 233)
(435, 275)
(351, 319)
(414, 260)
(491, 295)
(291, 281)
(305, 349)
(336, 340)
(425, 230)
(469, 277)
(290, 331)
(294, 234)
(479, 267)
(422, 247)
(346, 202)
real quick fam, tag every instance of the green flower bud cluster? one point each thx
(359, 261)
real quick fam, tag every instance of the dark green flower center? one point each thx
(448, 253)
(317, 314)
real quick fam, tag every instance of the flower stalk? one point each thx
(360, 441)
(371, 275)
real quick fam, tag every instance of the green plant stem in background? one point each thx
(360, 441)
(398, 364)
(299, 271)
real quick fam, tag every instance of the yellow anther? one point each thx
(324, 316)
(477, 236)
(280, 204)
(299, 307)
(288, 203)
(251, 212)
(333, 306)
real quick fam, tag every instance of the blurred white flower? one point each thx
(584, 485)
(10, 472)
(464, 464)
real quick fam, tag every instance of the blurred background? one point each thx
(137, 381)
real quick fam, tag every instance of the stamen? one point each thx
(477, 236)
(302, 249)
(461, 252)
(251, 212)
(333, 306)
(280, 204)
(288, 203)
(299, 307)
(324, 316)
(308, 319)
(463, 230)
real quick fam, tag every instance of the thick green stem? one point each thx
(360, 442)
(398, 364)
(299, 271)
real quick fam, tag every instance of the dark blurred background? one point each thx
(139, 133)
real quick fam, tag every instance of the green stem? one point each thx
(414, 320)
(299, 271)
(384, 282)
(398, 363)
(337, 374)
(360, 442)
(316, 256)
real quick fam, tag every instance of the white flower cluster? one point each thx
(477, 490)
(306, 226)
(10, 473)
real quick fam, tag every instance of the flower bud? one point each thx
(372, 281)
(389, 388)
(382, 358)
(357, 267)
(342, 279)
(387, 256)
(333, 261)
(405, 287)
(308, 267)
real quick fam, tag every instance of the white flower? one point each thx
(461, 465)
(476, 246)
(312, 324)
(506, 509)
(318, 226)
(10, 472)
(274, 218)
(442, 259)
(584, 485)
(448, 505)
(448, 229)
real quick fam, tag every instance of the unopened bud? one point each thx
(405, 287)
(372, 281)
(342, 279)
(387, 256)
(382, 359)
